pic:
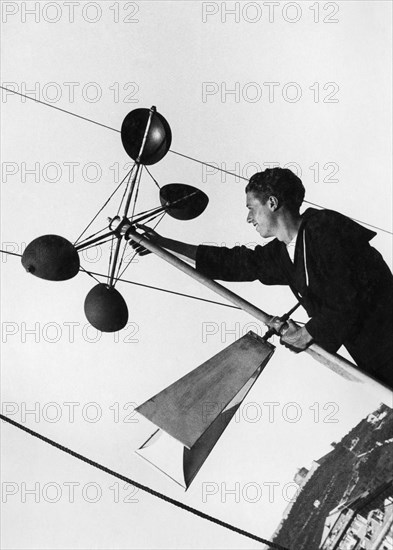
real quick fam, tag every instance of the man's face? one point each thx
(261, 216)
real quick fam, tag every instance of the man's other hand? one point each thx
(295, 338)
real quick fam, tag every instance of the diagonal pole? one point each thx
(335, 362)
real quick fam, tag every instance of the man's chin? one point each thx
(264, 235)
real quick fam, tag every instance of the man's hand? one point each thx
(178, 247)
(148, 234)
(294, 337)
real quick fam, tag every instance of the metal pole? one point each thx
(216, 287)
(138, 167)
(116, 255)
(331, 360)
(147, 215)
(138, 164)
(96, 240)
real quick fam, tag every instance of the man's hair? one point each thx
(281, 183)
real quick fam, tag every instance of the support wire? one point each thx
(175, 152)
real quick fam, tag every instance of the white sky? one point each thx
(168, 54)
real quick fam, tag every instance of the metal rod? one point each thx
(114, 262)
(284, 318)
(138, 160)
(95, 240)
(153, 110)
(216, 287)
(162, 208)
(148, 214)
(331, 360)
(138, 167)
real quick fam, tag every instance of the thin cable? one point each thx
(207, 164)
(102, 208)
(150, 218)
(90, 274)
(155, 287)
(97, 244)
(124, 247)
(159, 221)
(177, 153)
(59, 109)
(120, 263)
(110, 260)
(247, 179)
(143, 285)
(117, 216)
(151, 175)
(154, 216)
(147, 211)
(170, 291)
(92, 235)
(135, 253)
(137, 191)
(146, 214)
(139, 175)
(126, 189)
(138, 485)
(365, 223)
(128, 264)
(11, 253)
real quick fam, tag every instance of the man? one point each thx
(342, 282)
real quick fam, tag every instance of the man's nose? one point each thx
(249, 217)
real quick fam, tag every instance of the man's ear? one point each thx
(273, 203)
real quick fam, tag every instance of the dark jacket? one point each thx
(342, 282)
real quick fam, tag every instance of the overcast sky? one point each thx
(243, 85)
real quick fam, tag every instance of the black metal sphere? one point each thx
(183, 202)
(51, 257)
(106, 309)
(159, 136)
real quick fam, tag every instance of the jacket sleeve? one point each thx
(337, 245)
(241, 263)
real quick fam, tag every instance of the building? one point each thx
(364, 523)
(345, 499)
